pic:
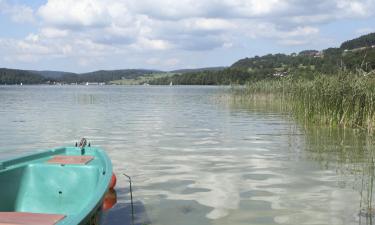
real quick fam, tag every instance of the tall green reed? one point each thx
(344, 99)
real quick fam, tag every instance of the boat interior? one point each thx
(59, 181)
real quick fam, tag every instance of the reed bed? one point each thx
(344, 99)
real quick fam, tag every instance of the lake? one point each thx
(197, 158)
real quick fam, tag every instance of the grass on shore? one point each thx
(141, 79)
(344, 99)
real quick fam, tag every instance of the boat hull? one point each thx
(32, 184)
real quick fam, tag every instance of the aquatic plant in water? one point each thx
(344, 99)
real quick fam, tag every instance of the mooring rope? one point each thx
(131, 196)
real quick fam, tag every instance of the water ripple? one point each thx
(193, 161)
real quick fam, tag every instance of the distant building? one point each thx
(320, 54)
(94, 83)
(280, 74)
(312, 53)
(308, 53)
(359, 49)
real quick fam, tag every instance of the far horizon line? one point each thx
(159, 70)
(97, 70)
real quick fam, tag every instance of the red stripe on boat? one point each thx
(63, 159)
(23, 218)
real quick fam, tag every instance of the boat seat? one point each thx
(24, 218)
(70, 159)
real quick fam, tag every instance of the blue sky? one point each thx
(87, 35)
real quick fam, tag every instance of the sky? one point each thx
(88, 35)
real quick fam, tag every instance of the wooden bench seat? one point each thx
(70, 159)
(24, 218)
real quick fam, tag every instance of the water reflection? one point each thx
(86, 99)
(110, 199)
(351, 153)
(115, 213)
(344, 183)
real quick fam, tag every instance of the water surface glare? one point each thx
(194, 159)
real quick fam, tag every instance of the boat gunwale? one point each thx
(101, 189)
(28, 157)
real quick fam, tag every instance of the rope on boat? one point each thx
(131, 196)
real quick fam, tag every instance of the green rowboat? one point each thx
(59, 186)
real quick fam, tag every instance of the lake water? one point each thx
(196, 158)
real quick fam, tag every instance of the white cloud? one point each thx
(100, 28)
(207, 24)
(71, 13)
(32, 37)
(169, 62)
(175, 10)
(227, 45)
(300, 35)
(51, 32)
(302, 31)
(355, 8)
(256, 8)
(191, 25)
(295, 42)
(17, 13)
(152, 44)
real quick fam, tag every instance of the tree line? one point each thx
(307, 63)
(353, 55)
(12, 76)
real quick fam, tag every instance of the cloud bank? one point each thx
(98, 29)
